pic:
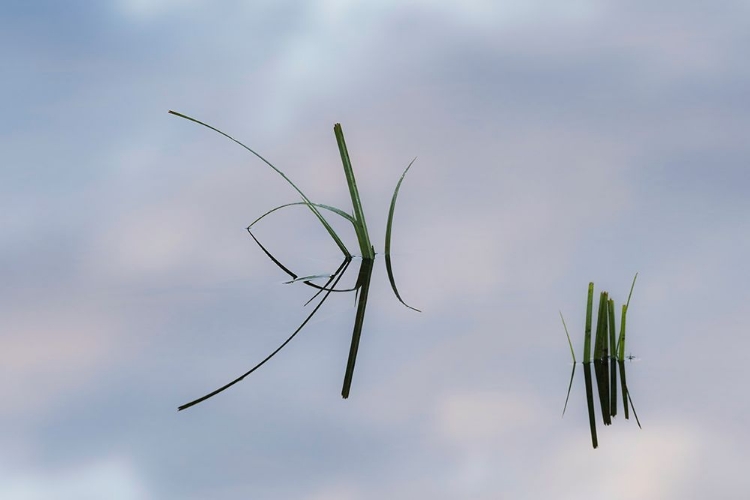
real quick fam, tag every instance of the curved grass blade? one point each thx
(335, 210)
(339, 272)
(363, 237)
(388, 229)
(570, 344)
(320, 217)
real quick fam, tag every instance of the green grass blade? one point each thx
(621, 342)
(601, 327)
(631, 289)
(298, 203)
(612, 333)
(587, 335)
(368, 252)
(340, 271)
(320, 217)
(392, 209)
(363, 282)
(389, 226)
(570, 344)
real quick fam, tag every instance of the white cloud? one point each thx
(112, 478)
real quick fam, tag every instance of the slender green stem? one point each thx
(601, 327)
(587, 335)
(363, 237)
(621, 343)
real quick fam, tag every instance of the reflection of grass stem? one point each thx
(590, 403)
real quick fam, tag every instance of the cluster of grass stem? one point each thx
(605, 345)
(608, 357)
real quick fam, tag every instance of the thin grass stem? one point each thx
(587, 335)
(363, 237)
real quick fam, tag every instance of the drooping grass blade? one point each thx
(570, 385)
(587, 335)
(590, 403)
(368, 252)
(570, 344)
(388, 230)
(363, 283)
(339, 273)
(312, 207)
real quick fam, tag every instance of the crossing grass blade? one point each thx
(310, 205)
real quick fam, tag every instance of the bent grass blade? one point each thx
(312, 207)
(388, 230)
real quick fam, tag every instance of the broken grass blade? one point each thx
(570, 344)
(238, 379)
(320, 217)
